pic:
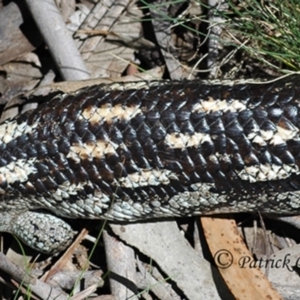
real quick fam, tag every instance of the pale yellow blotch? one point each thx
(11, 130)
(287, 134)
(108, 113)
(274, 137)
(181, 141)
(213, 105)
(267, 134)
(259, 140)
(92, 150)
(17, 171)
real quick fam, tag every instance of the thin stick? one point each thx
(58, 39)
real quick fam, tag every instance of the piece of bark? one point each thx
(147, 281)
(121, 266)
(18, 34)
(105, 54)
(164, 243)
(229, 250)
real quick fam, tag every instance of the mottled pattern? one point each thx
(174, 149)
(164, 149)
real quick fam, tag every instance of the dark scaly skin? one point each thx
(164, 109)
